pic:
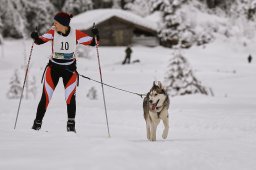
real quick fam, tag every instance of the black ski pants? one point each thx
(53, 72)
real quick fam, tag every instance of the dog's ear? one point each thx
(158, 84)
(154, 83)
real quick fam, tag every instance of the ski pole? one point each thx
(102, 88)
(26, 73)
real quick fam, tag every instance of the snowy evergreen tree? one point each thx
(58, 4)
(30, 13)
(15, 86)
(92, 93)
(102, 4)
(123, 3)
(140, 7)
(174, 26)
(77, 6)
(180, 78)
(37, 14)
(159, 5)
(224, 4)
(8, 10)
(179, 28)
(116, 4)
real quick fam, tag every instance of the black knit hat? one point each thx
(63, 18)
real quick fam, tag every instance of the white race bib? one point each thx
(64, 47)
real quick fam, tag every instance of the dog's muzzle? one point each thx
(153, 105)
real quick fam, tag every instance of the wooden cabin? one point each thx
(118, 27)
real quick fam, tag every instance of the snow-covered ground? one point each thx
(206, 132)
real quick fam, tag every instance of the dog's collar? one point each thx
(162, 106)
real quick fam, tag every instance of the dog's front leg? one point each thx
(166, 125)
(148, 129)
(153, 129)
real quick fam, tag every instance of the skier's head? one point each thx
(63, 18)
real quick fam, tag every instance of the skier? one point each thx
(249, 58)
(128, 53)
(62, 63)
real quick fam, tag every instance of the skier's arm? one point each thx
(44, 38)
(83, 38)
(36, 38)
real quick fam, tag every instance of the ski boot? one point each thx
(37, 125)
(71, 126)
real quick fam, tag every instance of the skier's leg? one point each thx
(70, 83)
(123, 61)
(129, 60)
(50, 82)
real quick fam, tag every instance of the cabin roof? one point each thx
(85, 20)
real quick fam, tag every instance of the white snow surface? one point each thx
(206, 132)
(86, 19)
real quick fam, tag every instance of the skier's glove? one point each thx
(34, 35)
(95, 33)
(36, 38)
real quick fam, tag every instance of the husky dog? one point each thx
(155, 106)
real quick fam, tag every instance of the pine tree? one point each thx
(140, 7)
(77, 6)
(8, 9)
(178, 28)
(27, 14)
(180, 78)
(92, 93)
(15, 86)
(37, 14)
(58, 4)
(117, 4)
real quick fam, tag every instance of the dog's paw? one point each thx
(164, 135)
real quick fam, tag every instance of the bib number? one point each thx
(64, 46)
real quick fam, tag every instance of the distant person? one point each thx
(249, 58)
(62, 64)
(128, 53)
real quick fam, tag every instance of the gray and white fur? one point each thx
(155, 106)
